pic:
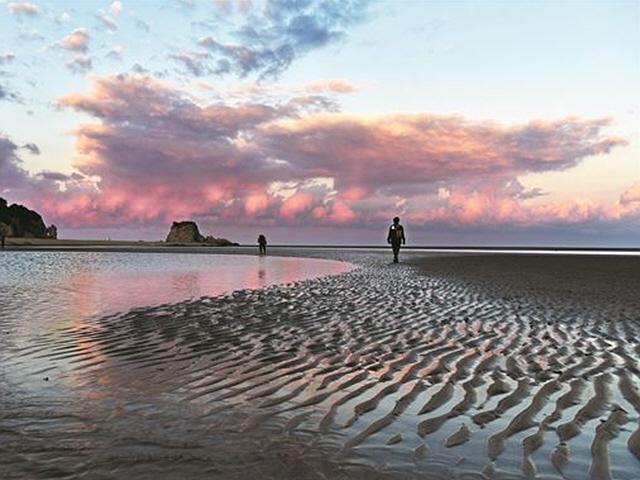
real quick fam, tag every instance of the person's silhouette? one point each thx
(396, 238)
(262, 244)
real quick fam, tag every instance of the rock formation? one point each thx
(19, 221)
(219, 242)
(184, 232)
(187, 232)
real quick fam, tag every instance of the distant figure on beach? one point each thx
(262, 244)
(396, 238)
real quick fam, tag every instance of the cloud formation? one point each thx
(333, 86)
(76, 41)
(631, 195)
(275, 34)
(116, 7)
(116, 52)
(392, 152)
(22, 8)
(108, 21)
(79, 64)
(252, 151)
(195, 63)
(58, 195)
(156, 153)
(6, 58)
(7, 95)
(11, 171)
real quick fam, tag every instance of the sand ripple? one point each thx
(378, 373)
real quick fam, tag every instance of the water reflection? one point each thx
(85, 387)
(45, 295)
(44, 291)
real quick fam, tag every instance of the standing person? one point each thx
(262, 244)
(396, 238)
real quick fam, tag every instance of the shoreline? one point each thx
(438, 367)
(314, 251)
(135, 245)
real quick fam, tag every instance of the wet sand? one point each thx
(464, 367)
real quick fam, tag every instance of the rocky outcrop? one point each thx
(219, 242)
(19, 221)
(184, 232)
(187, 232)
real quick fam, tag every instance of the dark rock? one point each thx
(219, 242)
(19, 221)
(187, 232)
(184, 232)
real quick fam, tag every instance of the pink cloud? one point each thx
(372, 153)
(341, 212)
(631, 195)
(298, 203)
(155, 153)
(24, 8)
(256, 204)
(496, 206)
(116, 7)
(77, 40)
(332, 86)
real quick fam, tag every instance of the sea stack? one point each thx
(184, 232)
(188, 232)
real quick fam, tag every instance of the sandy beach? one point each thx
(440, 367)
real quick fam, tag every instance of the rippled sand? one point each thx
(449, 367)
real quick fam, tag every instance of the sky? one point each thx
(318, 121)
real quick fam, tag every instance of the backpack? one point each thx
(397, 234)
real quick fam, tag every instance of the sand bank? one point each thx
(445, 367)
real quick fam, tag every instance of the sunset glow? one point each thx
(322, 120)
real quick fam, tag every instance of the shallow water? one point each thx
(51, 289)
(372, 374)
(63, 399)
